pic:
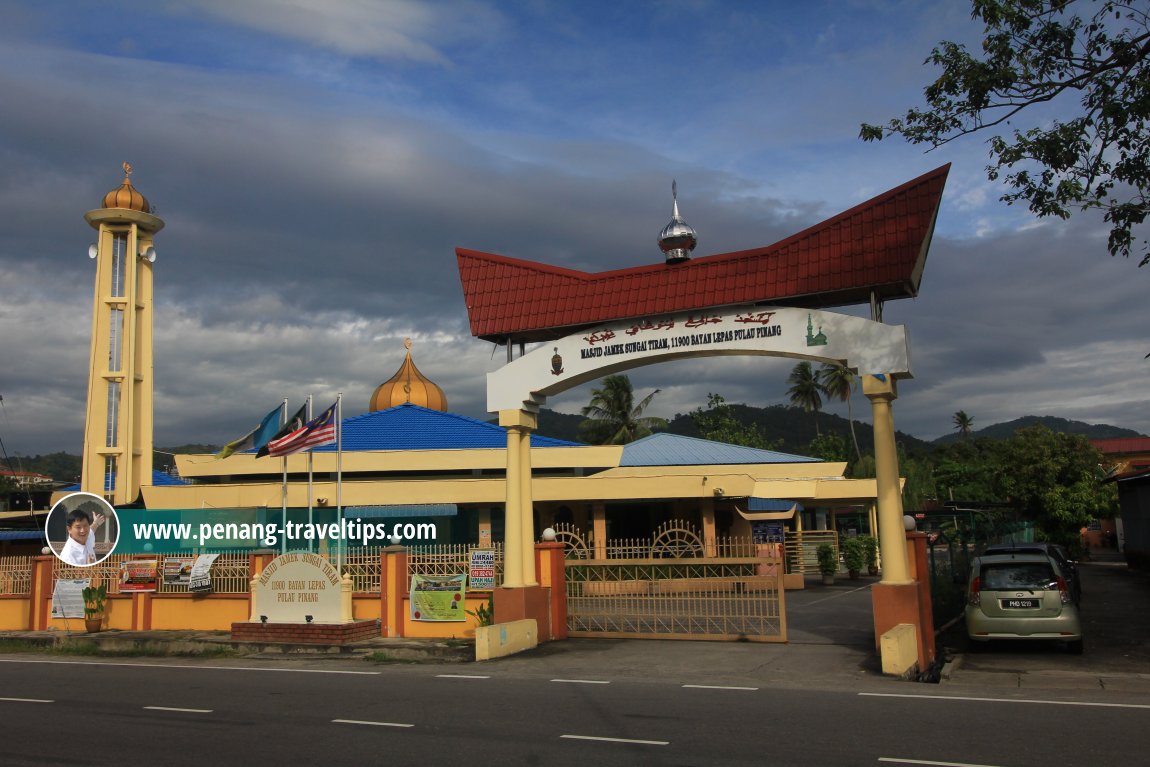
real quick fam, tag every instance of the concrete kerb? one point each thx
(193, 644)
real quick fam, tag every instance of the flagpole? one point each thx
(283, 493)
(310, 521)
(339, 478)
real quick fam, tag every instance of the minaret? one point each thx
(677, 239)
(408, 385)
(118, 424)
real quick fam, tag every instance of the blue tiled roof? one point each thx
(159, 479)
(665, 449)
(411, 427)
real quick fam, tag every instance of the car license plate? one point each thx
(1020, 604)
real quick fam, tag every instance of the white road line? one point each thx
(935, 764)
(461, 676)
(618, 740)
(214, 668)
(797, 606)
(581, 681)
(27, 700)
(1007, 700)
(373, 724)
(180, 710)
(717, 687)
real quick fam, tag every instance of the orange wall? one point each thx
(200, 613)
(13, 613)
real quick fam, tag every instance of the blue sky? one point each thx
(317, 164)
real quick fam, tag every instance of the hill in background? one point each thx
(1054, 423)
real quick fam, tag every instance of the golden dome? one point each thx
(126, 196)
(408, 385)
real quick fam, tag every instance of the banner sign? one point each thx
(438, 597)
(200, 577)
(481, 575)
(861, 344)
(177, 570)
(68, 598)
(139, 575)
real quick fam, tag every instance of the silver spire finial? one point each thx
(677, 239)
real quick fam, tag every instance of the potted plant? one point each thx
(871, 550)
(94, 600)
(854, 556)
(828, 562)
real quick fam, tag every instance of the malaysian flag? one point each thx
(318, 431)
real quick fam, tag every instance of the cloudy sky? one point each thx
(317, 163)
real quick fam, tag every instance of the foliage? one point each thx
(1094, 69)
(828, 561)
(920, 487)
(94, 599)
(963, 423)
(718, 422)
(613, 418)
(838, 382)
(1053, 479)
(870, 550)
(854, 555)
(968, 471)
(805, 391)
(829, 447)
(484, 613)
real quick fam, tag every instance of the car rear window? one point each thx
(1005, 576)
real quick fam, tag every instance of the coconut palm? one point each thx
(837, 382)
(805, 390)
(613, 418)
(963, 423)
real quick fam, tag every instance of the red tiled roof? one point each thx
(879, 246)
(1122, 445)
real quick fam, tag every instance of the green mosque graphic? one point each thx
(815, 339)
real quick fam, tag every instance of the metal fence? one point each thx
(449, 559)
(15, 576)
(801, 549)
(363, 566)
(231, 573)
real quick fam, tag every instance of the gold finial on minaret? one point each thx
(127, 166)
(407, 344)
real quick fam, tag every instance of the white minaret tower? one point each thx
(118, 423)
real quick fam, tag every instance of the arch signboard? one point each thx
(865, 346)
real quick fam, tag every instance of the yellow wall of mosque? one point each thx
(200, 613)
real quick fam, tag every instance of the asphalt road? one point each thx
(81, 712)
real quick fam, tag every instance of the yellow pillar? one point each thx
(599, 528)
(881, 392)
(709, 545)
(527, 514)
(485, 528)
(872, 521)
(512, 524)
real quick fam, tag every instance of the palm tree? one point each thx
(837, 382)
(804, 391)
(614, 418)
(963, 423)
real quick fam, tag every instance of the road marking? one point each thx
(936, 764)
(1007, 700)
(797, 606)
(180, 710)
(215, 668)
(373, 724)
(581, 681)
(717, 687)
(618, 740)
(27, 700)
(461, 676)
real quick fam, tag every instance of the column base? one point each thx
(517, 603)
(895, 603)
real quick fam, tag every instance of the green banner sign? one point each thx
(438, 597)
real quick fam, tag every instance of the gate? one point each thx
(669, 587)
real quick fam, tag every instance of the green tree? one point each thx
(805, 391)
(718, 422)
(829, 447)
(1095, 154)
(613, 418)
(963, 423)
(1053, 479)
(837, 382)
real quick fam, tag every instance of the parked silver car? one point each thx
(1060, 555)
(1021, 596)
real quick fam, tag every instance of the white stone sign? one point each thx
(863, 345)
(298, 584)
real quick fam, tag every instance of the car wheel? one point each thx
(1075, 647)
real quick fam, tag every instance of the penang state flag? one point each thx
(257, 437)
(318, 431)
(294, 424)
